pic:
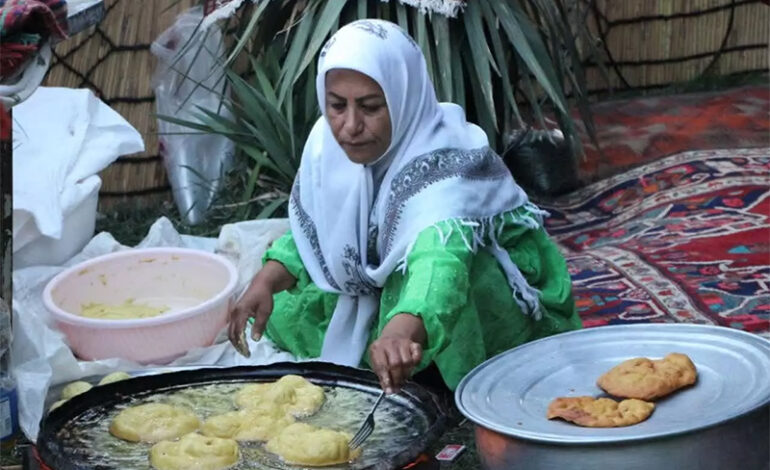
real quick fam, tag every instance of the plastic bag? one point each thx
(188, 78)
(6, 336)
(5, 330)
(9, 422)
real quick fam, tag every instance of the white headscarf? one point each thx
(354, 224)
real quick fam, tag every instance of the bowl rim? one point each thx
(61, 315)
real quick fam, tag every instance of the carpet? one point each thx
(640, 130)
(685, 238)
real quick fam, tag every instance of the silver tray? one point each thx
(510, 393)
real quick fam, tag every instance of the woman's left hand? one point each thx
(397, 351)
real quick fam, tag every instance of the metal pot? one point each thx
(722, 422)
(738, 444)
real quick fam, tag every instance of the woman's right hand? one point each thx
(257, 302)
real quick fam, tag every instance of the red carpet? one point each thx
(641, 130)
(682, 239)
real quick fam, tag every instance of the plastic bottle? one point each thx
(9, 415)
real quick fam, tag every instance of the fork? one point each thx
(367, 428)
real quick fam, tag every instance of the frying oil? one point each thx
(397, 425)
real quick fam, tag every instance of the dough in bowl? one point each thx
(252, 424)
(153, 422)
(125, 311)
(303, 444)
(194, 451)
(293, 393)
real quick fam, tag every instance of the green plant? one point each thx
(269, 130)
(494, 56)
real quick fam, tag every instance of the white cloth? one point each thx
(438, 167)
(444, 7)
(222, 11)
(40, 355)
(62, 138)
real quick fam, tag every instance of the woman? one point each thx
(410, 242)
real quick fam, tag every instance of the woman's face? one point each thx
(358, 115)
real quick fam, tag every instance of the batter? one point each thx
(303, 444)
(295, 394)
(194, 451)
(153, 422)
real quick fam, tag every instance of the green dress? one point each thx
(462, 297)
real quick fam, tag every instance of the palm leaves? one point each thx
(507, 62)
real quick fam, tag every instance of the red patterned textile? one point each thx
(683, 239)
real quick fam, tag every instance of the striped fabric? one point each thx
(24, 24)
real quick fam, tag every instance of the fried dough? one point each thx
(600, 412)
(647, 379)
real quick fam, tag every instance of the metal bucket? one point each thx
(738, 444)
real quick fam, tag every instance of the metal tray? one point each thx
(510, 393)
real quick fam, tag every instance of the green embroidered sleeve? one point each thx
(435, 286)
(284, 250)
(464, 298)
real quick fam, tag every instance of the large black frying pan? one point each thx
(100, 401)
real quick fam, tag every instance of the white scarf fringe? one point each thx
(222, 12)
(445, 7)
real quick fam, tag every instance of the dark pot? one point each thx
(741, 443)
(543, 166)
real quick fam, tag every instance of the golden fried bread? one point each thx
(303, 444)
(295, 394)
(74, 389)
(56, 405)
(600, 412)
(153, 422)
(647, 379)
(194, 451)
(251, 424)
(114, 377)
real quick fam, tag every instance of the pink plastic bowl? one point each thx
(196, 286)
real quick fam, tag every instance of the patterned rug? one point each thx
(640, 130)
(683, 239)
